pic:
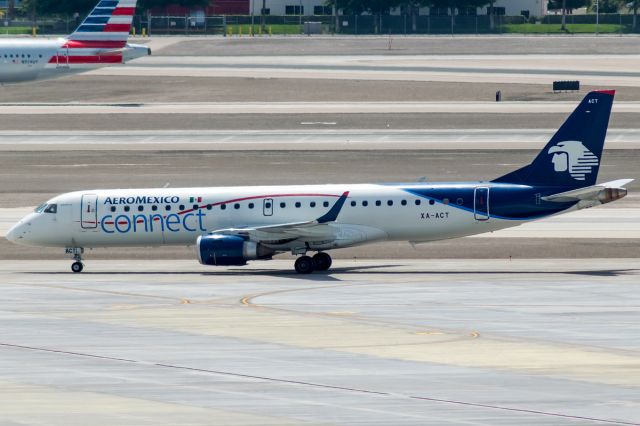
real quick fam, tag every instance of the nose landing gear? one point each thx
(77, 252)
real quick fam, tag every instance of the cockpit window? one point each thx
(51, 208)
(40, 208)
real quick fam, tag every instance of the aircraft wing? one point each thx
(603, 192)
(319, 228)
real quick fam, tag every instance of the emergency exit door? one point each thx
(267, 207)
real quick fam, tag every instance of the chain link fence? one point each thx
(343, 24)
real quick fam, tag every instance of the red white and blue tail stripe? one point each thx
(108, 25)
(101, 39)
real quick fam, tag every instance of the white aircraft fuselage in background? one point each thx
(101, 40)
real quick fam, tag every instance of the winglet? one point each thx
(332, 214)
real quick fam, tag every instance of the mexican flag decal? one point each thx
(195, 199)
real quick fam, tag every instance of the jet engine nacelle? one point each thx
(228, 250)
(133, 51)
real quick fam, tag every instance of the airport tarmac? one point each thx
(535, 325)
(376, 342)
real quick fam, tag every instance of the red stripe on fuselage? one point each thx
(91, 44)
(124, 11)
(102, 59)
(257, 197)
(116, 28)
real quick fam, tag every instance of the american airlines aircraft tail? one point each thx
(101, 40)
(233, 225)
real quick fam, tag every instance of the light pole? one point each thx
(597, 15)
(253, 8)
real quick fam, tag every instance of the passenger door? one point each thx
(89, 211)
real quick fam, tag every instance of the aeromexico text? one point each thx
(141, 200)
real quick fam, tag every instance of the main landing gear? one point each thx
(319, 262)
(77, 265)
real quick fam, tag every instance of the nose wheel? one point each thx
(77, 267)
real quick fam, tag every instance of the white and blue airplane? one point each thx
(232, 225)
(101, 40)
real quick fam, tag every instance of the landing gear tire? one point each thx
(304, 265)
(322, 261)
(77, 267)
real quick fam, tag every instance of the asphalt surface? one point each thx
(550, 343)
(419, 45)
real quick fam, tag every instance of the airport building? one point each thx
(318, 7)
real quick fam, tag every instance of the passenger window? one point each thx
(365, 203)
(298, 205)
(208, 206)
(236, 206)
(432, 202)
(223, 206)
(283, 205)
(460, 201)
(353, 204)
(378, 203)
(403, 202)
(326, 204)
(390, 203)
(140, 208)
(154, 208)
(113, 209)
(126, 208)
(196, 207)
(167, 208)
(251, 205)
(267, 205)
(51, 208)
(312, 204)
(181, 206)
(445, 201)
(418, 202)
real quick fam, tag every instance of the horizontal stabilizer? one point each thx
(604, 192)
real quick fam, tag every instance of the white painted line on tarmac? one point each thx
(305, 108)
(335, 139)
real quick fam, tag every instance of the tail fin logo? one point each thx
(573, 157)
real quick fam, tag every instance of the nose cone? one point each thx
(14, 233)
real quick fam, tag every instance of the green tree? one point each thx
(566, 5)
(634, 5)
(153, 4)
(411, 8)
(63, 7)
(609, 6)
(374, 7)
(453, 5)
